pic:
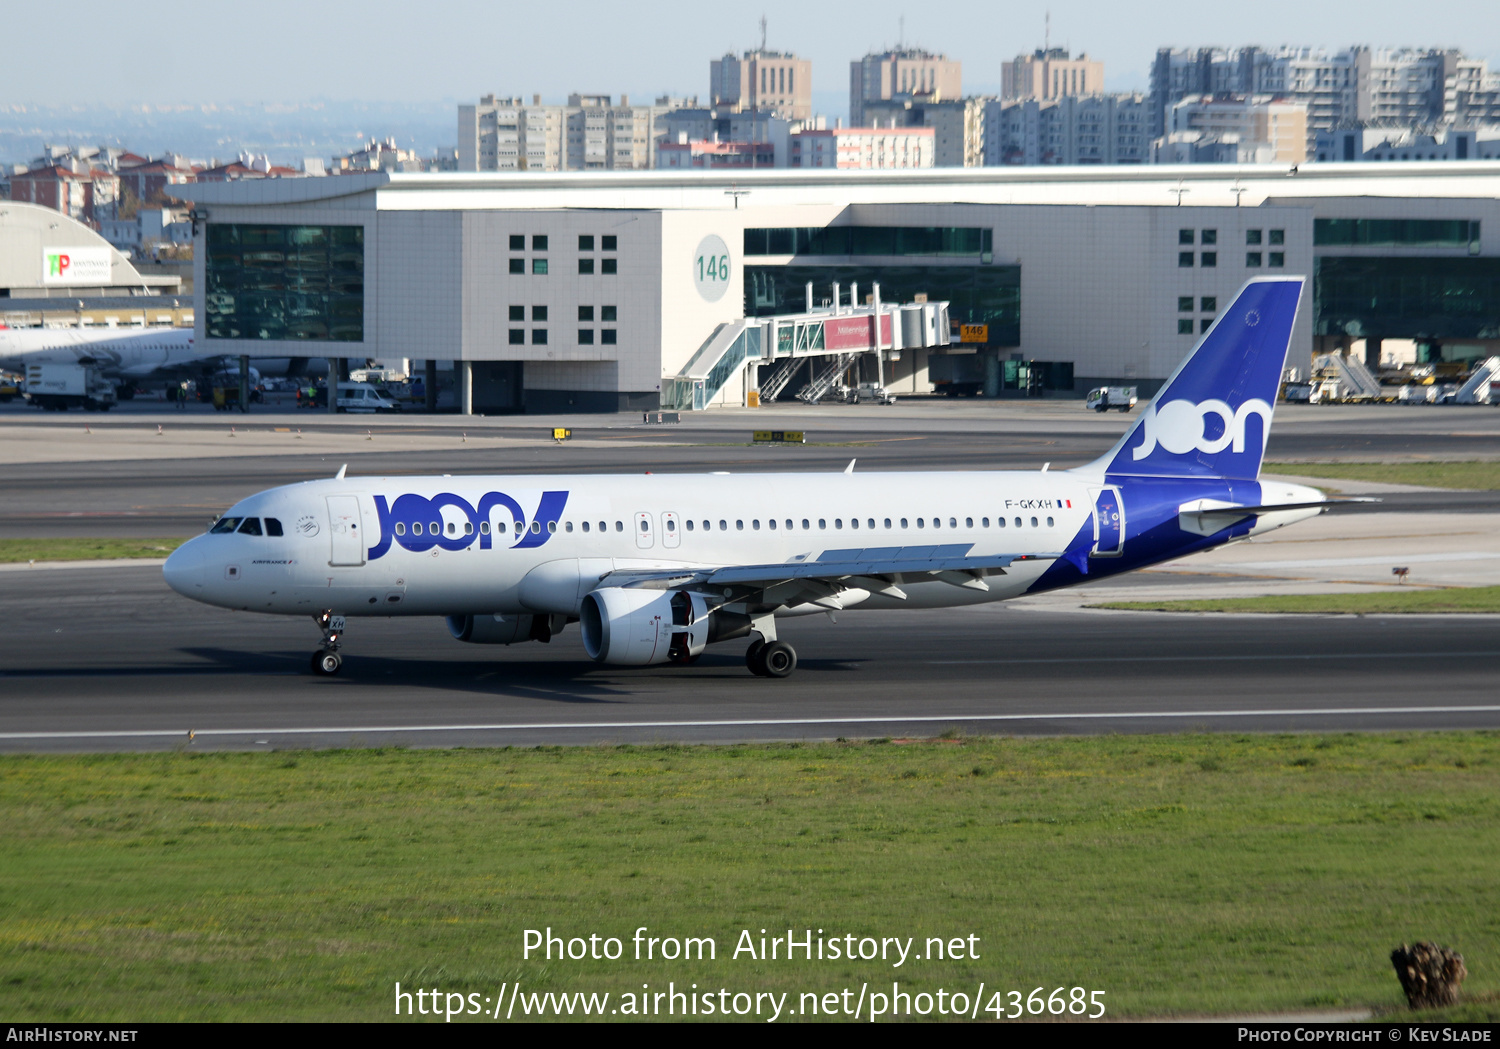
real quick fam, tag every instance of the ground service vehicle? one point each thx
(58, 387)
(656, 568)
(362, 397)
(1102, 399)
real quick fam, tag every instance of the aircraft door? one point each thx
(344, 530)
(1109, 523)
(671, 535)
(645, 536)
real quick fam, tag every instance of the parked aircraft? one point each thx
(655, 568)
(130, 353)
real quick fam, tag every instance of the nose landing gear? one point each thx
(326, 661)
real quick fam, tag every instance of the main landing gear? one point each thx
(767, 657)
(326, 661)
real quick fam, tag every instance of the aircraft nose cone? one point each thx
(184, 569)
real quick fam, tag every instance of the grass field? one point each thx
(1179, 874)
(14, 550)
(1484, 475)
(1390, 601)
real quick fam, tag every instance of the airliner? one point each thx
(656, 568)
(131, 353)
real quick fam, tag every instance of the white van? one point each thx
(362, 397)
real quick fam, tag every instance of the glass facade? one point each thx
(976, 294)
(1394, 233)
(954, 242)
(302, 283)
(1407, 298)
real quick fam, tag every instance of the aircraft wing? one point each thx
(819, 579)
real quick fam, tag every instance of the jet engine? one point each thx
(632, 627)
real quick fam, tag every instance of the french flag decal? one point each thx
(1069, 502)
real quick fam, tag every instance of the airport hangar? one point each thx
(627, 291)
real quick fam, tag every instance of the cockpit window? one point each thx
(250, 526)
(273, 526)
(225, 524)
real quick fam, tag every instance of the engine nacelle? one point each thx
(491, 630)
(636, 628)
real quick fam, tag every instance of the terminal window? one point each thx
(1205, 324)
(607, 336)
(539, 267)
(608, 243)
(1252, 258)
(586, 313)
(518, 336)
(608, 265)
(585, 336)
(1184, 236)
(936, 241)
(1210, 303)
(1185, 259)
(518, 266)
(1418, 233)
(1252, 236)
(1278, 236)
(585, 242)
(298, 283)
(1185, 326)
(538, 336)
(518, 242)
(1184, 304)
(586, 266)
(1278, 258)
(1210, 258)
(608, 313)
(538, 313)
(518, 313)
(539, 242)
(1209, 236)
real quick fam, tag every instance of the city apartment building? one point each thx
(864, 147)
(1050, 73)
(590, 133)
(773, 81)
(907, 73)
(1093, 129)
(1260, 119)
(957, 126)
(1356, 86)
(1401, 144)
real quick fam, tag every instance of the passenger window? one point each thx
(585, 526)
(484, 527)
(723, 525)
(999, 522)
(690, 525)
(468, 528)
(1018, 522)
(822, 522)
(552, 526)
(789, 524)
(671, 524)
(838, 522)
(273, 526)
(1049, 523)
(1033, 522)
(985, 521)
(619, 526)
(435, 528)
(853, 522)
(756, 524)
(805, 524)
(937, 522)
(536, 528)
(953, 522)
(739, 526)
(903, 522)
(870, 523)
(250, 526)
(921, 522)
(401, 528)
(603, 526)
(645, 526)
(771, 524)
(968, 522)
(570, 526)
(416, 528)
(452, 528)
(887, 522)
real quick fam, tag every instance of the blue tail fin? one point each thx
(1213, 416)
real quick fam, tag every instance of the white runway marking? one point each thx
(874, 719)
(1342, 562)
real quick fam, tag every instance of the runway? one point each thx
(106, 657)
(109, 658)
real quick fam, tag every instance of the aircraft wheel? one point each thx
(325, 663)
(778, 658)
(753, 658)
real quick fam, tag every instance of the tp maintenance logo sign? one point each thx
(75, 266)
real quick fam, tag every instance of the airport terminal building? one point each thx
(620, 290)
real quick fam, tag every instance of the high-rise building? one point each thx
(902, 74)
(1277, 122)
(762, 80)
(1050, 73)
(863, 147)
(1355, 87)
(957, 126)
(1088, 129)
(590, 133)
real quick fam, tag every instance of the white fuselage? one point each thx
(131, 352)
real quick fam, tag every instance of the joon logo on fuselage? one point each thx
(415, 522)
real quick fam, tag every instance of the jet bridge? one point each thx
(832, 337)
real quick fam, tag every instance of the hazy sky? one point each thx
(297, 50)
